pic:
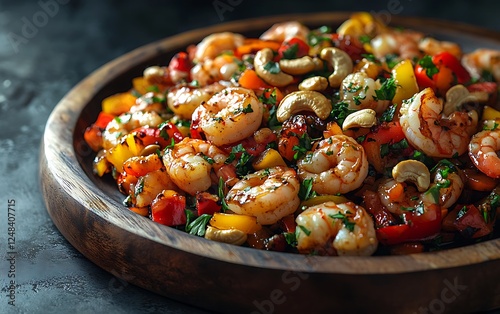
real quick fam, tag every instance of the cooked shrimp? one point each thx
(336, 229)
(123, 124)
(338, 164)
(229, 116)
(432, 46)
(183, 100)
(213, 70)
(358, 90)
(215, 44)
(148, 102)
(191, 163)
(481, 60)
(399, 197)
(396, 196)
(483, 151)
(150, 185)
(404, 44)
(284, 31)
(268, 194)
(448, 188)
(427, 130)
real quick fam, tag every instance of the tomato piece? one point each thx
(103, 119)
(293, 48)
(180, 62)
(450, 61)
(423, 80)
(471, 224)
(161, 136)
(168, 208)
(207, 203)
(418, 227)
(351, 45)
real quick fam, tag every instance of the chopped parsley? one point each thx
(429, 66)
(388, 114)
(387, 90)
(340, 111)
(291, 52)
(220, 194)
(305, 144)
(305, 190)
(199, 225)
(272, 67)
(305, 230)
(247, 109)
(345, 220)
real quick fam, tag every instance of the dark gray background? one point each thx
(35, 74)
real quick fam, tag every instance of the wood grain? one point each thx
(225, 278)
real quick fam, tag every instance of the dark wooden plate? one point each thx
(226, 278)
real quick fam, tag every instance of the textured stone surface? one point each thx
(39, 64)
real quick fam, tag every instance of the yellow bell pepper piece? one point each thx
(490, 113)
(118, 154)
(134, 145)
(268, 159)
(141, 85)
(406, 82)
(320, 199)
(118, 103)
(245, 223)
(100, 166)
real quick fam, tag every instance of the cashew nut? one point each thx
(459, 95)
(231, 236)
(304, 101)
(315, 83)
(341, 63)
(297, 66)
(150, 149)
(412, 171)
(364, 118)
(262, 58)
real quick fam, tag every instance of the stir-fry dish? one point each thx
(365, 139)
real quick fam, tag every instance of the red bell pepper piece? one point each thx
(293, 48)
(207, 203)
(180, 62)
(471, 223)
(417, 227)
(168, 208)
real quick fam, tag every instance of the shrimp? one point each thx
(481, 60)
(358, 91)
(215, 44)
(213, 70)
(123, 124)
(286, 30)
(429, 131)
(268, 194)
(150, 185)
(191, 164)
(432, 46)
(396, 196)
(336, 229)
(404, 44)
(183, 100)
(338, 164)
(229, 116)
(148, 102)
(483, 151)
(399, 197)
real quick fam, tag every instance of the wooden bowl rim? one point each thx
(62, 162)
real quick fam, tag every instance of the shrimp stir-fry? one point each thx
(358, 141)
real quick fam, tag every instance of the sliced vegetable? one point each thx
(168, 208)
(247, 224)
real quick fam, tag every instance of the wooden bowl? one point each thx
(225, 278)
